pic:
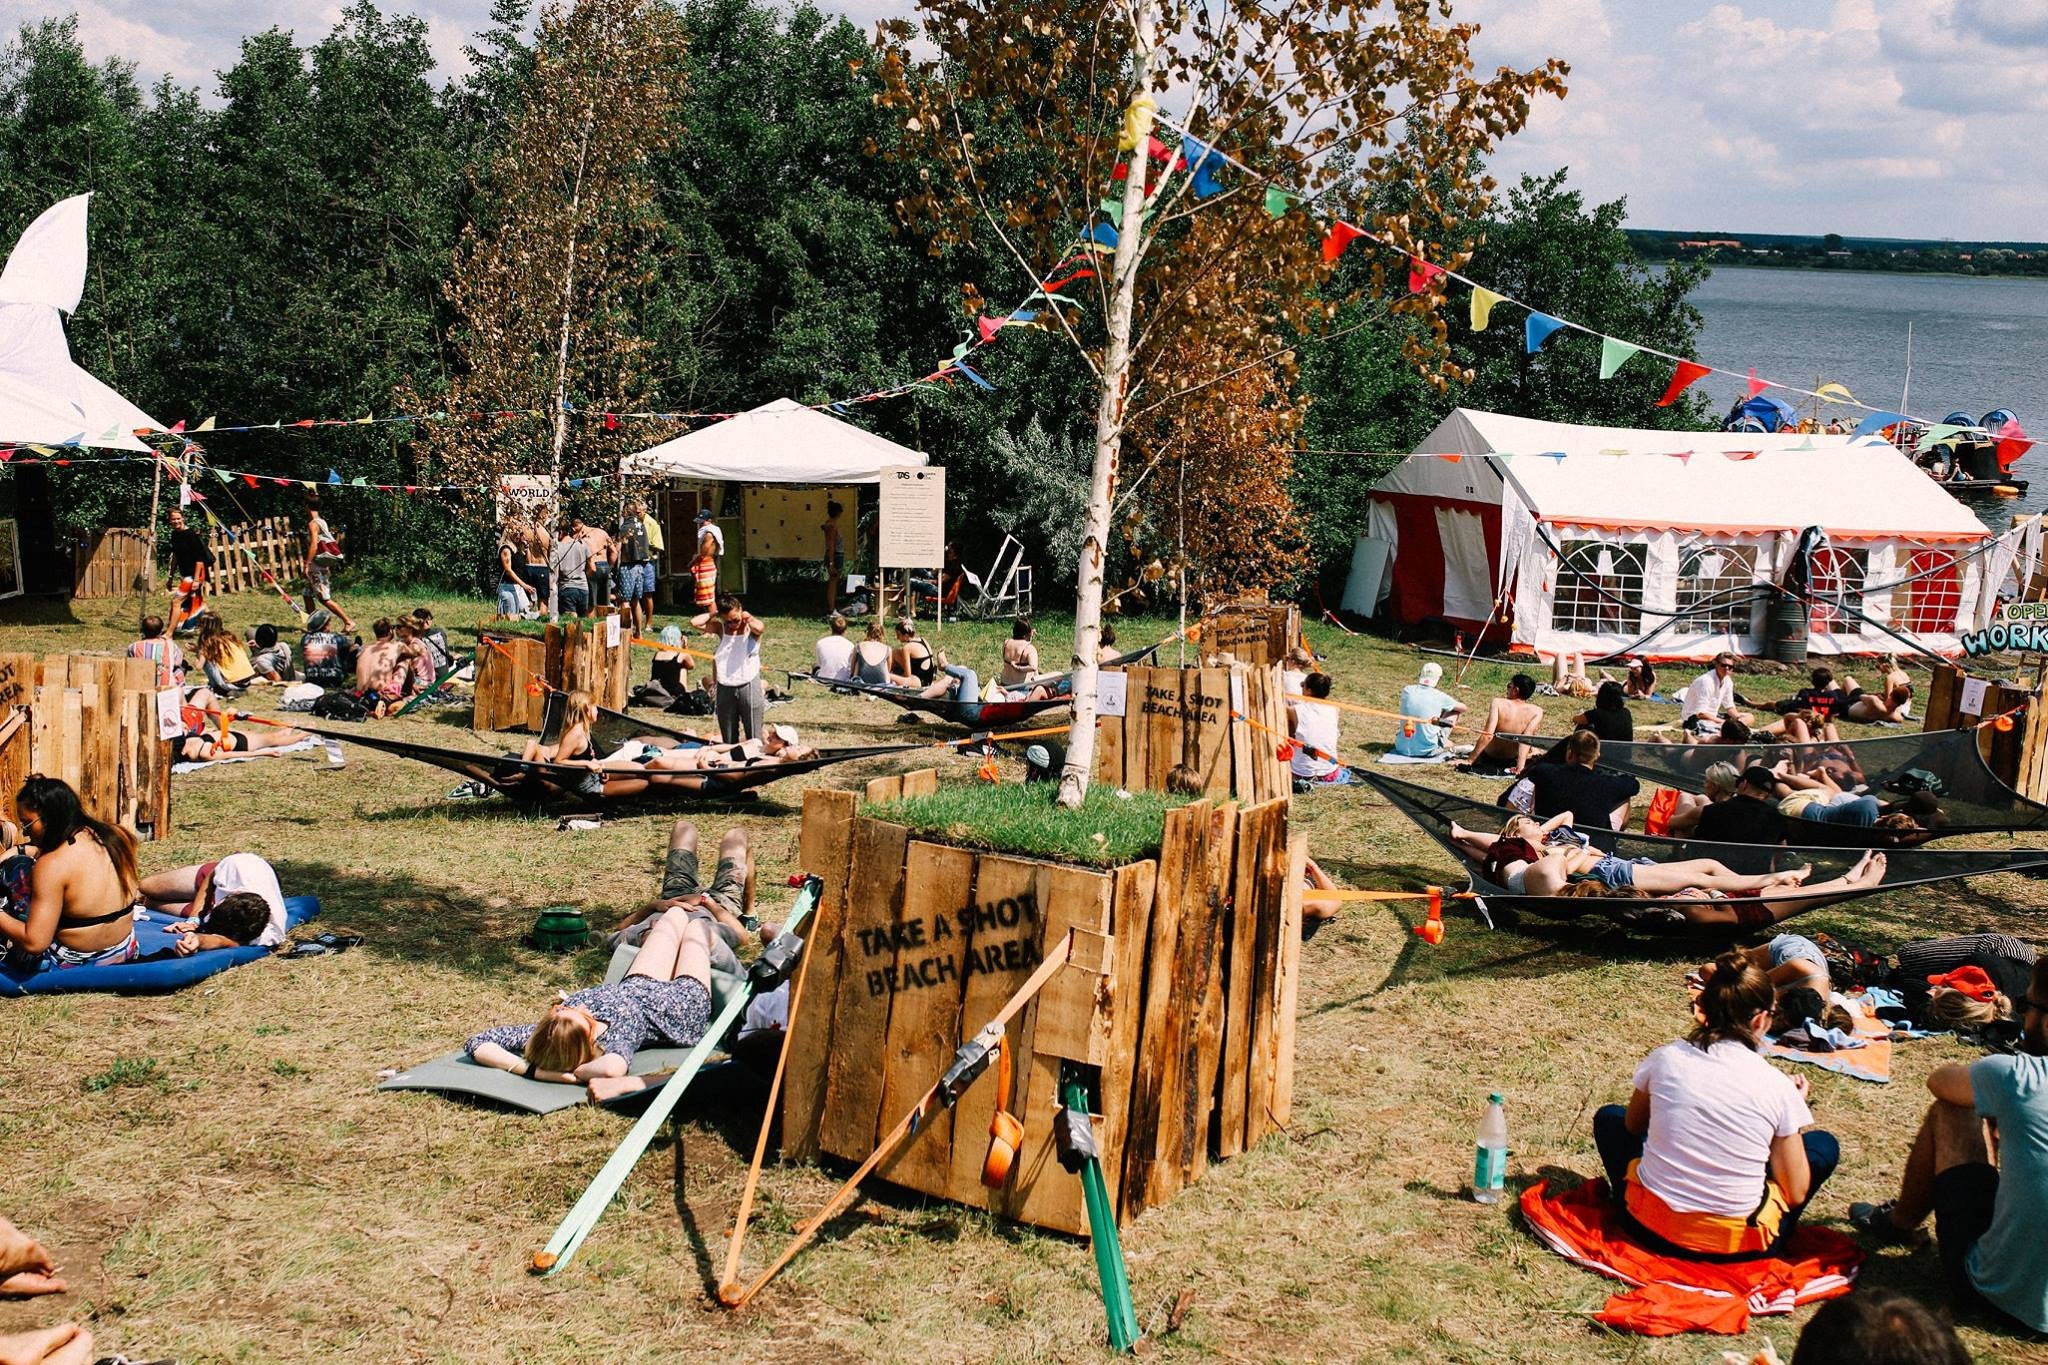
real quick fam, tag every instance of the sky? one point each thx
(1883, 118)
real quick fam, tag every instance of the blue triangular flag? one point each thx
(575, 483)
(1536, 329)
(842, 409)
(1557, 455)
(975, 377)
(1203, 163)
(1877, 420)
(333, 476)
(1103, 235)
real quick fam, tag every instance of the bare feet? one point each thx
(25, 1266)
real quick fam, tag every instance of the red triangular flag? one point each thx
(1420, 273)
(1688, 372)
(251, 480)
(988, 327)
(1740, 454)
(1756, 386)
(1341, 235)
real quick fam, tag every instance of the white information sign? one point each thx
(531, 495)
(1236, 693)
(913, 530)
(611, 632)
(170, 720)
(1112, 690)
(1973, 696)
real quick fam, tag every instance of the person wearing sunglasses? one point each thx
(1989, 1197)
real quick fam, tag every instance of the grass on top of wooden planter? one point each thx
(1109, 829)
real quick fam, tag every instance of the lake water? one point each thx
(1978, 344)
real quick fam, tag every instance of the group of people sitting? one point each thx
(1710, 704)
(912, 665)
(70, 888)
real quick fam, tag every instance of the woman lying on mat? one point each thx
(573, 746)
(1529, 870)
(80, 893)
(590, 1037)
(1708, 1158)
(204, 746)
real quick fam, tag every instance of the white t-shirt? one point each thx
(1707, 695)
(1315, 726)
(1713, 1116)
(1291, 680)
(833, 657)
(710, 528)
(247, 872)
(737, 660)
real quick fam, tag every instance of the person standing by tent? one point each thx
(835, 554)
(741, 704)
(569, 562)
(191, 564)
(704, 574)
(323, 552)
(634, 551)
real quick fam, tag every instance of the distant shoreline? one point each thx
(1802, 268)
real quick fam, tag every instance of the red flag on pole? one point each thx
(1756, 386)
(1688, 372)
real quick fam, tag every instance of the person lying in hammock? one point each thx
(589, 1038)
(1527, 868)
(1819, 796)
(205, 745)
(1708, 908)
(961, 684)
(639, 766)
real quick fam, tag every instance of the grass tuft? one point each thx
(1109, 829)
(126, 1071)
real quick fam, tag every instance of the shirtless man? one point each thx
(1512, 713)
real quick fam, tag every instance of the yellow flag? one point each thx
(1482, 307)
(207, 425)
(1834, 393)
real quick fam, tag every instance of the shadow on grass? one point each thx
(45, 609)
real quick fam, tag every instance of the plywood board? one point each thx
(924, 993)
(1130, 923)
(1281, 1111)
(1001, 948)
(1206, 700)
(825, 848)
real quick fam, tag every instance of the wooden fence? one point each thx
(514, 673)
(91, 721)
(242, 553)
(1178, 1002)
(1176, 716)
(111, 564)
(1250, 632)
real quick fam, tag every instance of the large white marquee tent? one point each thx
(1602, 539)
(779, 442)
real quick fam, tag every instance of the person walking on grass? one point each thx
(191, 566)
(323, 552)
(634, 553)
(741, 705)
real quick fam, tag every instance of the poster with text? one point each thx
(531, 495)
(913, 532)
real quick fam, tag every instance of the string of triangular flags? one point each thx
(47, 455)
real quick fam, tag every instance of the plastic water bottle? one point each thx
(1490, 1162)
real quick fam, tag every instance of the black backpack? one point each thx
(340, 705)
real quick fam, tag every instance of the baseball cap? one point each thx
(1974, 982)
(703, 514)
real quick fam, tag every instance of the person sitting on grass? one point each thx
(270, 656)
(1989, 1197)
(911, 663)
(226, 661)
(1709, 699)
(1431, 712)
(215, 899)
(589, 1038)
(81, 891)
(1863, 1329)
(1640, 683)
(207, 744)
(1511, 713)
(871, 657)
(326, 657)
(832, 656)
(1595, 798)
(158, 647)
(1312, 727)
(1893, 706)
(1708, 1158)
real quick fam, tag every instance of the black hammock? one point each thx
(1435, 811)
(1947, 764)
(535, 783)
(611, 728)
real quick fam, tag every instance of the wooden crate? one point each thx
(111, 563)
(570, 657)
(1178, 1002)
(1225, 722)
(1250, 632)
(90, 720)
(243, 554)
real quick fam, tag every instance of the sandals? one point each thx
(324, 945)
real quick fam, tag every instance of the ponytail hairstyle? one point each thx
(1735, 992)
(1952, 1009)
(56, 805)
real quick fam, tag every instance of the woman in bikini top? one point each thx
(83, 887)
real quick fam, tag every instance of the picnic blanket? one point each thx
(1400, 760)
(1871, 1062)
(1673, 1294)
(309, 742)
(168, 973)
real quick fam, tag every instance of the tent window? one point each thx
(1600, 587)
(1716, 588)
(1840, 575)
(1927, 604)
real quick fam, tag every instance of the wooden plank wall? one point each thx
(241, 554)
(1250, 632)
(570, 657)
(1181, 716)
(1179, 1001)
(2013, 754)
(505, 699)
(111, 563)
(90, 720)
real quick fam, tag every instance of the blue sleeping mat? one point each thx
(165, 974)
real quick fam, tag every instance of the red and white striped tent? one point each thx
(1603, 539)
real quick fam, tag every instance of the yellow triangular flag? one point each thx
(367, 419)
(1834, 393)
(207, 425)
(1482, 307)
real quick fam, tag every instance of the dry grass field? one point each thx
(222, 1182)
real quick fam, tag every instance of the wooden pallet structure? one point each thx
(92, 721)
(1250, 632)
(1186, 716)
(569, 657)
(1178, 1001)
(242, 554)
(112, 563)
(2019, 754)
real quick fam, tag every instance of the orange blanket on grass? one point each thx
(1671, 1294)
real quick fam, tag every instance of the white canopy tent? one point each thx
(1601, 539)
(45, 398)
(779, 442)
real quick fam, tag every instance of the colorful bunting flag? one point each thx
(1756, 386)
(1615, 353)
(975, 377)
(333, 476)
(1276, 201)
(1341, 235)
(1482, 307)
(1834, 393)
(1877, 421)
(1688, 372)
(1740, 455)
(1538, 328)
(1203, 163)
(1420, 273)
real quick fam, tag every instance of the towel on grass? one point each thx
(1672, 1294)
(1870, 1062)
(309, 742)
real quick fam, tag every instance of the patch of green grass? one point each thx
(1109, 829)
(126, 1071)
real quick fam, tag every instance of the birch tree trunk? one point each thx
(561, 413)
(1109, 429)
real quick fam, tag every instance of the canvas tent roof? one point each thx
(778, 442)
(45, 398)
(1851, 487)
